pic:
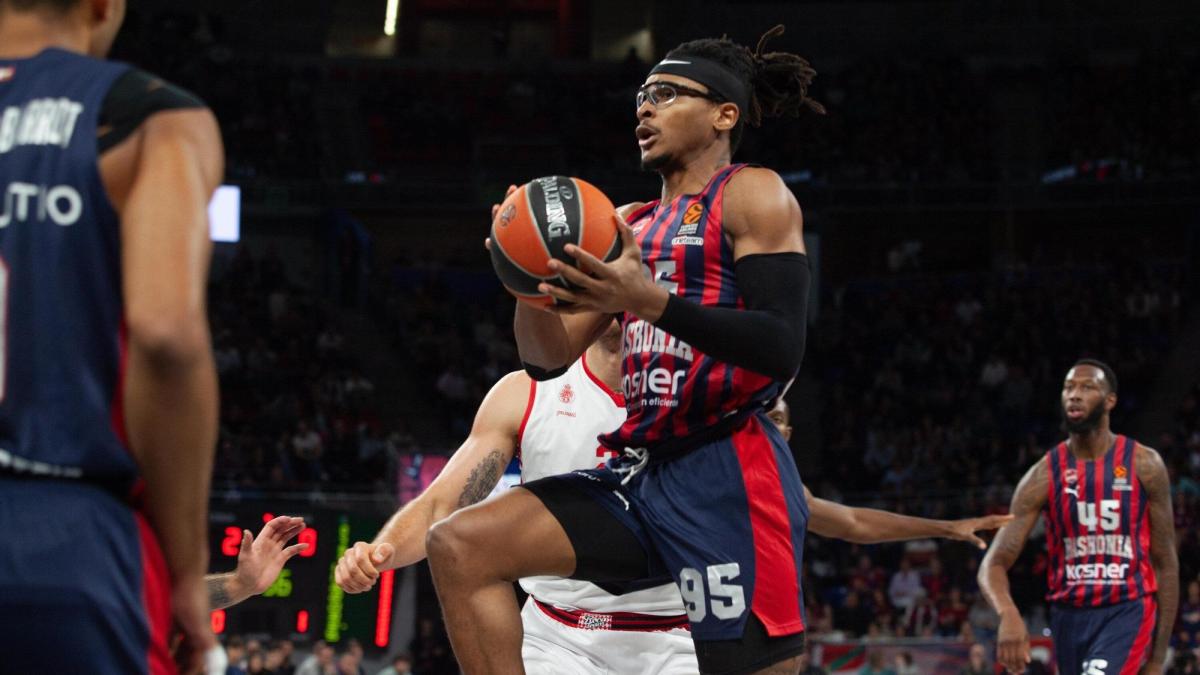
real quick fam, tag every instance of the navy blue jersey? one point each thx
(61, 309)
(672, 391)
(1098, 528)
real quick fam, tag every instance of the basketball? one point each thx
(537, 221)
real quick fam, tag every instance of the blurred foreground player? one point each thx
(108, 400)
(1113, 570)
(571, 625)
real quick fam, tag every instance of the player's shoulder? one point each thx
(756, 194)
(628, 210)
(1147, 459)
(135, 97)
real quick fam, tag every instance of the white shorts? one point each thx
(553, 648)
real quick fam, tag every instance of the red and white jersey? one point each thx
(563, 419)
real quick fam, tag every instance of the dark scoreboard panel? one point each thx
(303, 603)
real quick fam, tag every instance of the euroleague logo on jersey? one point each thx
(692, 216)
(1070, 477)
(566, 395)
(1121, 478)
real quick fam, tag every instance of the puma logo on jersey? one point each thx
(1071, 491)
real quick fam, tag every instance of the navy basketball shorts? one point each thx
(83, 584)
(726, 521)
(1112, 640)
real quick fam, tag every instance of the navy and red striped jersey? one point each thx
(61, 304)
(672, 391)
(1097, 528)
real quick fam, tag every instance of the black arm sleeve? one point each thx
(766, 337)
(541, 374)
(132, 98)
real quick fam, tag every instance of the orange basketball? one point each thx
(537, 221)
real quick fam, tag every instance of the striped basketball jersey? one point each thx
(563, 417)
(1097, 528)
(61, 308)
(672, 391)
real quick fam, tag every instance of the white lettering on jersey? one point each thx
(1098, 544)
(1103, 573)
(26, 202)
(42, 121)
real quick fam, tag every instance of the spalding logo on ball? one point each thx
(536, 222)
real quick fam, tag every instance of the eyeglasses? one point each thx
(663, 94)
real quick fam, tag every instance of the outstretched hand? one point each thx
(261, 560)
(965, 529)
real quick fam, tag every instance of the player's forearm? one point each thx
(224, 590)
(1167, 573)
(171, 419)
(872, 526)
(993, 583)
(542, 339)
(407, 528)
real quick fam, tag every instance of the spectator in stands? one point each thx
(1187, 632)
(235, 653)
(875, 665)
(402, 664)
(905, 585)
(905, 664)
(807, 667)
(921, 617)
(320, 662)
(852, 616)
(977, 662)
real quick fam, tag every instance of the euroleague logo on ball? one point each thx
(507, 214)
(566, 394)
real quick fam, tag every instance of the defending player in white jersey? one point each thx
(574, 626)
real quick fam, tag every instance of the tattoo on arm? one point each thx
(482, 480)
(1156, 481)
(219, 596)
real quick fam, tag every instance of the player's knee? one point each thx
(451, 548)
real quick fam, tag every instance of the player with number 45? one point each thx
(1110, 535)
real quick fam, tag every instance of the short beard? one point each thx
(1088, 424)
(656, 163)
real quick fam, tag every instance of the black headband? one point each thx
(718, 78)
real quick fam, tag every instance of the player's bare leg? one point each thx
(475, 556)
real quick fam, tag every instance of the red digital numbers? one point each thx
(302, 621)
(232, 542)
(308, 536)
(218, 621)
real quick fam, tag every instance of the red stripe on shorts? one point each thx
(1141, 644)
(156, 600)
(776, 600)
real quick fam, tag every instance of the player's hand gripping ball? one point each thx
(537, 220)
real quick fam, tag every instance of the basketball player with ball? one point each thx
(711, 287)
(572, 625)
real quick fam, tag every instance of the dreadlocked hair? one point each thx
(778, 81)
